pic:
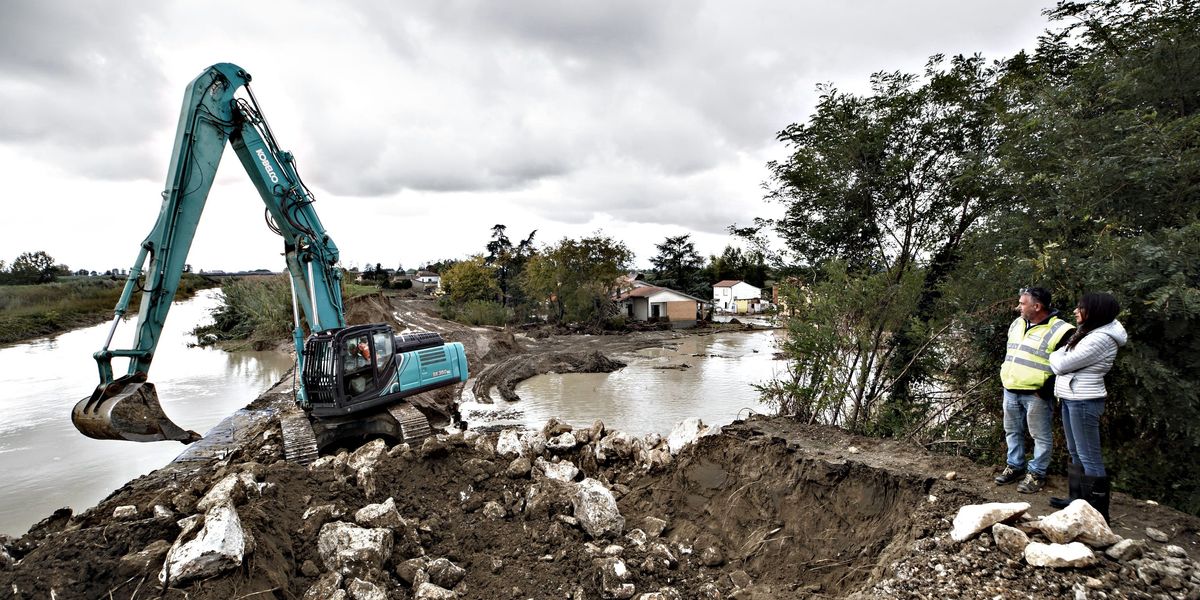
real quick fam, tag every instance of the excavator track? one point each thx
(414, 427)
(299, 441)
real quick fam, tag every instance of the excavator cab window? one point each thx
(358, 368)
(383, 350)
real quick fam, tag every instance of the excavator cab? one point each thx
(356, 368)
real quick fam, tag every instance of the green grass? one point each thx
(33, 311)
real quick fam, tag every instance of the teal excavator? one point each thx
(353, 381)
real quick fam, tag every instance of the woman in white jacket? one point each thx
(1080, 366)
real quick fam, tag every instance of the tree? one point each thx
(470, 280)
(577, 279)
(509, 261)
(678, 265)
(33, 268)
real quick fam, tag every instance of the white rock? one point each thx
(563, 470)
(1157, 535)
(685, 433)
(162, 512)
(617, 445)
(1126, 550)
(614, 576)
(342, 546)
(1079, 521)
(852, 450)
(219, 546)
(125, 513)
(379, 515)
(364, 590)
(367, 455)
(1010, 540)
(428, 591)
(1074, 554)
(494, 510)
(229, 490)
(563, 442)
(596, 509)
(973, 518)
(325, 587)
(444, 573)
(510, 444)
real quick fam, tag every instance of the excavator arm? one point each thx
(212, 115)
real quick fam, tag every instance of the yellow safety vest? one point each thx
(1027, 362)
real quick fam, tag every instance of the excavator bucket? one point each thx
(127, 409)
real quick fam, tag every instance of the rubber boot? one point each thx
(1096, 491)
(1074, 481)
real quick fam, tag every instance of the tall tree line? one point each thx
(914, 213)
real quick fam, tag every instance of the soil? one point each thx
(764, 508)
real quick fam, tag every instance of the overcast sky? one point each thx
(420, 125)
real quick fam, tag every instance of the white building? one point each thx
(658, 303)
(727, 293)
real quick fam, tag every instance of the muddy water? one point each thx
(45, 464)
(708, 376)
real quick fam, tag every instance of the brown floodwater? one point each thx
(46, 464)
(705, 376)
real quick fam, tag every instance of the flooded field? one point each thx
(46, 464)
(707, 376)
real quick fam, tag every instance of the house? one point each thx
(727, 293)
(429, 277)
(647, 303)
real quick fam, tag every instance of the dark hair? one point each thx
(1099, 309)
(1039, 295)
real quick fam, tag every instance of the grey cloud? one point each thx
(76, 84)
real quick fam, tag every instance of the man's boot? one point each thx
(1074, 481)
(1096, 491)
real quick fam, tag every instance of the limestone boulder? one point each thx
(684, 433)
(510, 444)
(615, 446)
(614, 579)
(564, 442)
(554, 428)
(326, 587)
(361, 589)
(563, 470)
(444, 573)
(1010, 540)
(1074, 554)
(383, 514)
(1079, 521)
(596, 509)
(218, 546)
(429, 591)
(367, 455)
(349, 549)
(974, 518)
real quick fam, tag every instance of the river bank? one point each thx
(29, 312)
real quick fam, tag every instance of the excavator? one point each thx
(354, 381)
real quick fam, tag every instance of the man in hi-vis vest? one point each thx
(1029, 388)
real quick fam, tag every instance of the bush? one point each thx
(476, 312)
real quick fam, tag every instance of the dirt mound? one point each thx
(372, 308)
(764, 509)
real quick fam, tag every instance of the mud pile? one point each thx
(760, 509)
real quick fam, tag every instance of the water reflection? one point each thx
(708, 376)
(46, 464)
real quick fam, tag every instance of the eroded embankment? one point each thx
(732, 511)
(765, 508)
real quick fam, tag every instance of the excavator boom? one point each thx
(212, 116)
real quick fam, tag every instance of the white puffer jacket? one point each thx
(1081, 370)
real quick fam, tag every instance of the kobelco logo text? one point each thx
(262, 157)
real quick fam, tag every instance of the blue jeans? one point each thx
(1081, 427)
(1021, 409)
